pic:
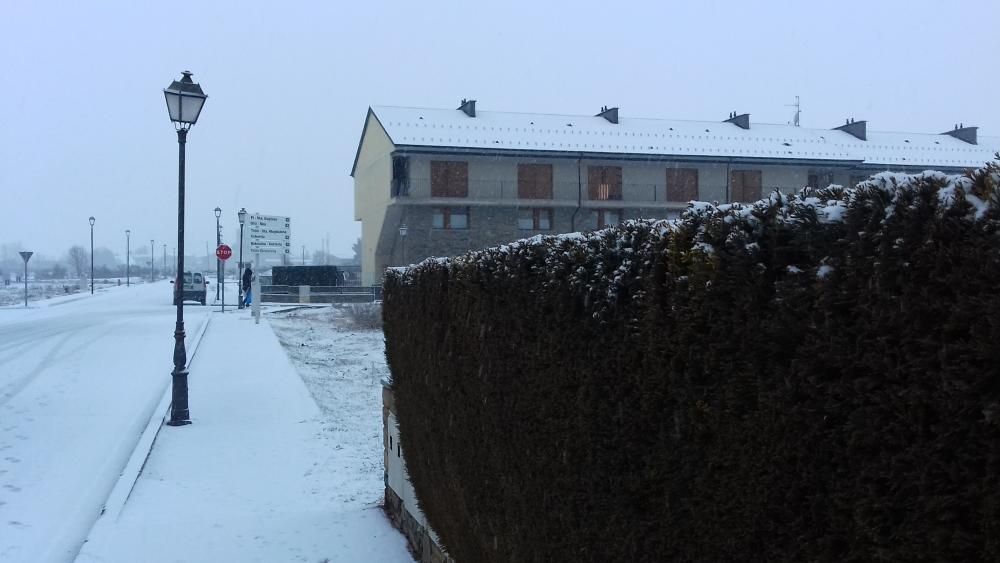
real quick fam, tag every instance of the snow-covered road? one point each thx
(79, 380)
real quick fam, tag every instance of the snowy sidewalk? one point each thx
(249, 479)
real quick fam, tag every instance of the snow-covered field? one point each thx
(13, 294)
(342, 367)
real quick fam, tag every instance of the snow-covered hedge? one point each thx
(810, 377)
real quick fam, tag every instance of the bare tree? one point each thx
(78, 260)
(356, 247)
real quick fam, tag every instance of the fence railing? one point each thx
(320, 294)
(418, 188)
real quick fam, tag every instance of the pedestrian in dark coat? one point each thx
(247, 278)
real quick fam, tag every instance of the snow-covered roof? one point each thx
(443, 128)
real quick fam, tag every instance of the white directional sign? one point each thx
(269, 234)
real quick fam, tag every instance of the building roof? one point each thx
(491, 130)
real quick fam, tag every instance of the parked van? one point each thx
(194, 288)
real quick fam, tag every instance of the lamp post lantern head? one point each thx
(242, 214)
(402, 230)
(128, 232)
(91, 221)
(185, 99)
(218, 213)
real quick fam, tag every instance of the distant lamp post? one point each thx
(152, 259)
(128, 258)
(25, 255)
(218, 242)
(91, 254)
(242, 215)
(402, 237)
(185, 99)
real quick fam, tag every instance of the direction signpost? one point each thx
(26, 256)
(223, 253)
(270, 234)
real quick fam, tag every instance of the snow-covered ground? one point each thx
(342, 368)
(283, 461)
(52, 291)
(78, 383)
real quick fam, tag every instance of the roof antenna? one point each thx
(798, 111)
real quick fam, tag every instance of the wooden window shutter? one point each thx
(616, 182)
(604, 182)
(751, 185)
(459, 179)
(449, 179)
(534, 181)
(595, 177)
(736, 185)
(682, 184)
(439, 178)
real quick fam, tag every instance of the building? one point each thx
(460, 179)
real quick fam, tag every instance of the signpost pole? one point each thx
(223, 253)
(26, 256)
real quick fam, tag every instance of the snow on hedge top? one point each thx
(574, 133)
(826, 205)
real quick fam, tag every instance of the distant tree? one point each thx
(78, 260)
(356, 247)
(104, 257)
(58, 272)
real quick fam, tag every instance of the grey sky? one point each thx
(84, 129)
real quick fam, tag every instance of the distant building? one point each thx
(463, 179)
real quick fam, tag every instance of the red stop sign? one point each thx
(223, 252)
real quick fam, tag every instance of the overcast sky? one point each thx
(84, 128)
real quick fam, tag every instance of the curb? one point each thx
(129, 476)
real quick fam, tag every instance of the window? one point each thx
(449, 178)
(534, 219)
(451, 218)
(608, 217)
(400, 176)
(817, 180)
(605, 182)
(534, 181)
(682, 184)
(744, 185)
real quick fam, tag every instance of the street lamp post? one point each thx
(152, 260)
(91, 254)
(218, 242)
(185, 99)
(128, 261)
(402, 237)
(242, 215)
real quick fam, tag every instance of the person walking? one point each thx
(247, 280)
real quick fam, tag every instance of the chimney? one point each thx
(856, 128)
(611, 114)
(961, 132)
(469, 107)
(742, 120)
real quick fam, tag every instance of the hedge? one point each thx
(811, 377)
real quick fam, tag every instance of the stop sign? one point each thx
(223, 252)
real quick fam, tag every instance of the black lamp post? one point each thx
(185, 99)
(152, 259)
(91, 255)
(218, 243)
(242, 215)
(128, 245)
(402, 236)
